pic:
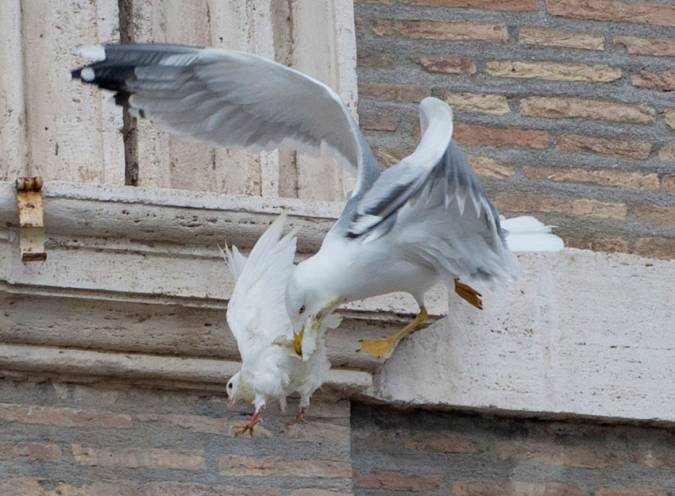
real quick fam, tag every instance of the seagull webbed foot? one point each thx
(469, 294)
(383, 348)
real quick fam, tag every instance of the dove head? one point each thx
(238, 389)
(233, 389)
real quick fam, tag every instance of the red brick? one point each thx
(669, 183)
(381, 60)
(442, 30)
(35, 487)
(448, 442)
(379, 121)
(397, 481)
(581, 207)
(139, 457)
(488, 167)
(478, 102)
(647, 46)
(656, 248)
(609, 244)
(669, 116)
(642, 12)
(63, 417)
(627, 492)
(448, 64)
(662, 81)
(199, 423)
(394, 92)
(319, 492)
(390, 156)
(560, 38)
(21, 487)
(554, 454)
(654, 214)
(372, 439)
(30, 451)
(504, 5)
(473, 134)
(553, 71)
(188, 489)
(667, 152)
(239, 466)
(514, 488)
(319, 432)
(554, 107)
(601, 177)
(619, 148)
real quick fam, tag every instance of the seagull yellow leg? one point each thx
(469, 294)
(383, 348)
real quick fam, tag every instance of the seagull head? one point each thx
(308, 298)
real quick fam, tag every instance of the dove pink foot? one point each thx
(253, 420)
(299, 418)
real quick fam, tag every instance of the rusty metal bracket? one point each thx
(31, 219)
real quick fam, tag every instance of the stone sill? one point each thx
(134, 289)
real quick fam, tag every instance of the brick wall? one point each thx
(565, 107)
(93, 440)
(434, 453)
(66, 440)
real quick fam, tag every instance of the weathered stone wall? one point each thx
(565, 107)
(63, 130)
(438, 453)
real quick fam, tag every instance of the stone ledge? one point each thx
(194, 373)
(581, 334)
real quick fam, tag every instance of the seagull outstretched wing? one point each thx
(231, 99)
(432, 205)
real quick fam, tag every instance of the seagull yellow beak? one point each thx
(297, 340)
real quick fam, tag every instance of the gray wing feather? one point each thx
(405, 180)
(232, 99)
(436, 208)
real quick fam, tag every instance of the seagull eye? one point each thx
(229, 386)
(302, 310)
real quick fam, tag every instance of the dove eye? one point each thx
(302, 310)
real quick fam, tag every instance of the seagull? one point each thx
(256, 315)
(422, 221)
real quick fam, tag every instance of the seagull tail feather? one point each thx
(527, 233)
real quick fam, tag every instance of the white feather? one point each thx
(526, 233)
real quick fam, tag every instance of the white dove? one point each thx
(257, 317)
